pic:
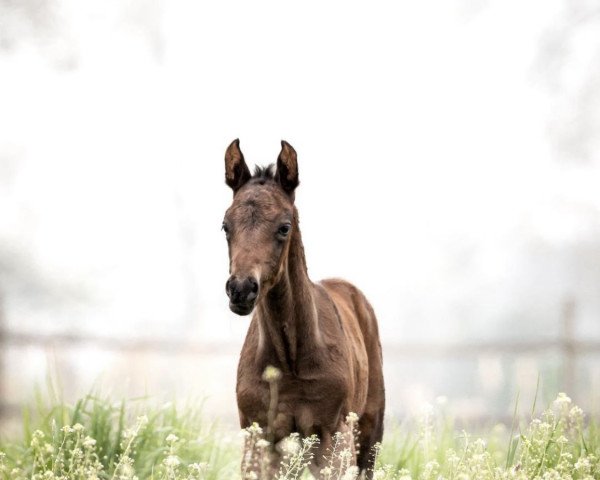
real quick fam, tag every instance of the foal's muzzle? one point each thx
(242, 293)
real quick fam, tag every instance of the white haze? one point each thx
(428, 174)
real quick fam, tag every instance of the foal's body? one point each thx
(323, 337)
(323, 378)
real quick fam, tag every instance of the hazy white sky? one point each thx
(427, 174)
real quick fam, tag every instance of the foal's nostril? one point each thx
(253, 284)
(252, 288)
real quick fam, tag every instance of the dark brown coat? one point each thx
(323, 336)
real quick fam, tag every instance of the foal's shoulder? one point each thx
(340, 286)
(342, 291)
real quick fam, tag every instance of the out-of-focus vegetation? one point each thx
(97, 438)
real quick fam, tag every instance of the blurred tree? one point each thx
(569, 64)
(59, 29)
(25, 20)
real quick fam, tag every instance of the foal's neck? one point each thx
(288, 314)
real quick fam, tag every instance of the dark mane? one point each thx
(264, 173)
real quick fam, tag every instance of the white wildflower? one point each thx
(78, 427)
(327, 471)
(198, 467)
(345, 454)
(562, 440)
(562, 399)
(404, 474)
(351, 418)
(171, 461)
(576, 414)
(480, 444)
(379, 474)
(262, 443)
(351, 473)
(36, 437)
(431, 469)
(271, 374)
(255, 429)
(89, 442)
(583, 465)
(291, 444)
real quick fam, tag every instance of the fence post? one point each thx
(568, 347)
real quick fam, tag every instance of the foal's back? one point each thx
(360, 327)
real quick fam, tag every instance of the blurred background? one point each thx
(449, 158)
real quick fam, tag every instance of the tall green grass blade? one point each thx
(510, 456)
(535, 397)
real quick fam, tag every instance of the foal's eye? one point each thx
(284, 229)
(225, 228)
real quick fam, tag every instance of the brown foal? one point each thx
(323, 337)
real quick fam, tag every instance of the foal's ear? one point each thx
(287, 168)
(236, 170)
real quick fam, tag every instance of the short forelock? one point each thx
(262, 174)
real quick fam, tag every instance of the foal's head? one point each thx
(258, 225)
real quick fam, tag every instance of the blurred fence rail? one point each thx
(570, 346)
(566, 347)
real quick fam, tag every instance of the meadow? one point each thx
(99, 438)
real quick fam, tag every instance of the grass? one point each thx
(97, 438)
(100, 438)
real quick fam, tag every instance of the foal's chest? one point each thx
(303, 405)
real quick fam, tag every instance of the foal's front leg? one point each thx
(335, 454)
(262, 463)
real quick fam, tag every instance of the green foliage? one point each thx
(97, 438)
(100, 439)
(557, 444)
